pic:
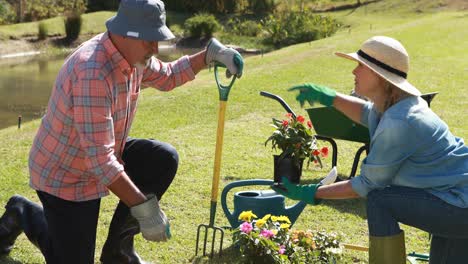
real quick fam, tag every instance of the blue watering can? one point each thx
(259, 202)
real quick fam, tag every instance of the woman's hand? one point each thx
(304, 193)
(314, 93)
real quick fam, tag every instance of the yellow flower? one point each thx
(274, 218)
(275, 232)
(283, 218)
(247, 216)
(260, 223)
(266, 217)
(285, 226)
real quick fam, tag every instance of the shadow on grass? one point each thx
(8, 260)
(230, 255)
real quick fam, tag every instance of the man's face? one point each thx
(149, 48)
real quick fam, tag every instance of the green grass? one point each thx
(187, 118)
(92, 23)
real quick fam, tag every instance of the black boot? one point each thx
(118, 248)
(9, 226)
(22, 215)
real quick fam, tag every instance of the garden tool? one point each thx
(204, 229)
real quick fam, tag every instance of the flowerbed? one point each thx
(270, 240)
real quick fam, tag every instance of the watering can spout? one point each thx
(294, 211)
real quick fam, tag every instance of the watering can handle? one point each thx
(223, 89)
(280, 100)
(239, 184)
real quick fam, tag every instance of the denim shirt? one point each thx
(411, 146)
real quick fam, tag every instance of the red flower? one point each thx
(289, 115)
(285, 123)
(324, 151)
(316, 152)
(309, 124)
(300, 119)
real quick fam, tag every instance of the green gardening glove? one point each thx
(314, 93)
(304, 193)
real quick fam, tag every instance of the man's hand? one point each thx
(314, 93)
(229, 57)
(154, 224)
(304, 193)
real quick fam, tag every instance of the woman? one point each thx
(416, 171)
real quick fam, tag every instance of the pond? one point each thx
(25, 86)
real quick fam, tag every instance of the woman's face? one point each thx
(366, 82)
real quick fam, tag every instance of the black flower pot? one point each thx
(287, 167)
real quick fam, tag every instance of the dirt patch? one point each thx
(15, 46)
(457, 4)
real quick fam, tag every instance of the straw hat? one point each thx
(388, 58)
(141, 19)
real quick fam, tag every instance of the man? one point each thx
(82, 149)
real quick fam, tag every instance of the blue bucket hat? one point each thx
(141, 19)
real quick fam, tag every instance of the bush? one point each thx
(7, 13)
(262, 6)
(73, 23)
(213, 6)
(98, 5)
(35, 10)
(201, 25)
(246, 28)
(42, 31)
(291, 27)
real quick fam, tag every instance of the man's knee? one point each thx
(167, 155)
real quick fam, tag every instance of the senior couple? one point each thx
(416, 172)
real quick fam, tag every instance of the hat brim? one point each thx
(118, 25)
(396, 80)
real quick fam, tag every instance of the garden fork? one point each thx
(204, 229)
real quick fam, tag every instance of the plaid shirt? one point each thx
(77, 151)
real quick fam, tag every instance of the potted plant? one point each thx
(294, 137)
(270, 240)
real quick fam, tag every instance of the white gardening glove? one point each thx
(229, 57)
(154, 225)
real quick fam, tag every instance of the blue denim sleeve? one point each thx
(365, 114)
(392, 143)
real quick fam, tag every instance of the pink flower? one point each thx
(282, 249)
(267, 233)
(246, 227)
(289, 115)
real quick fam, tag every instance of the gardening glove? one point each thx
(229, 57)
(154, 224)
(304, 193)
(314, 93)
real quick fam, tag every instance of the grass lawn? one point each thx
(187, 118)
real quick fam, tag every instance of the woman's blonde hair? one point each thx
(393, 94)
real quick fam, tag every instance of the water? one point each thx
(25, 87)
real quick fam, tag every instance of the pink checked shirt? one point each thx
(77, 151)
